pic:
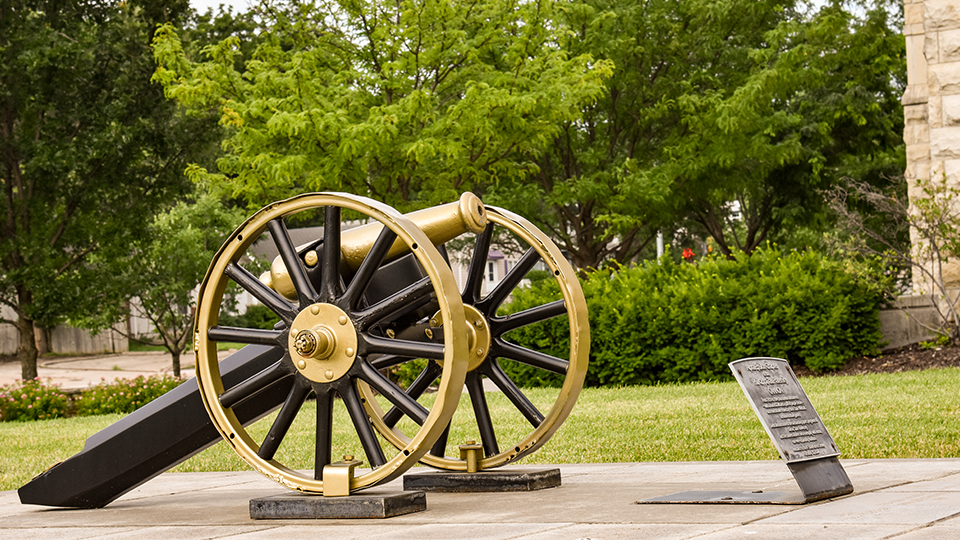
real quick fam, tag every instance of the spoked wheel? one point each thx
(491, 350)
(326, 334)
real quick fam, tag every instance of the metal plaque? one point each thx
(795, 429)
(784, 410)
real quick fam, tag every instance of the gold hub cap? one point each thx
(323, 343)
(478, 335)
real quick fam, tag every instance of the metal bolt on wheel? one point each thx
(328, 333)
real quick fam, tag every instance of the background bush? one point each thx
(404, 374)
(31, 400)
(256, 316)
(678, 322)
(124, 395)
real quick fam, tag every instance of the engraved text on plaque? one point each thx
(784, 409)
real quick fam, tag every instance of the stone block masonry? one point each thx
(931, 103)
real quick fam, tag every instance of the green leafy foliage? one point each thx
(404, 374)
(91, 150)
(31, 400)
(166, 267)
(256, 316)
(40, 400)
(713, 101)
(409, 103)
(123, 395)
(172, 263)
(679, 322)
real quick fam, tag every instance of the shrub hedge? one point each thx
(32, 400)
(679, 322)
(256, 316)
(124, 395)
(39, 400)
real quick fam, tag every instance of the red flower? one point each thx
(688, 255)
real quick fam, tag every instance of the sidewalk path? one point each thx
(79, 372)
(902, 499)
(75, 373)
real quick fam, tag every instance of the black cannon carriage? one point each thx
(351, 304)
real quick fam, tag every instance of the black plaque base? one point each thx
(483, 481)
(372, 505)
(818, 479)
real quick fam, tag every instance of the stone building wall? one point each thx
(931, 103)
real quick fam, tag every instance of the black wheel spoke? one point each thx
(440, 447)
(416, 389)
(288, 413)
(368, 438)
(324, 435)
(410, 297)
(267, 296)
(531, 358)
(330, 261)
(509, 282)
(393, 393)
(288, 252)
(513, 393)
(358, 285)
(251, 336)
(388, 361)
(400, 347)
(482, 412)
(478, 265)
(254, 384)
(502, 325)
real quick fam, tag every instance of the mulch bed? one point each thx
(910, 358)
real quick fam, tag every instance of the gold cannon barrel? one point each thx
(440, 223)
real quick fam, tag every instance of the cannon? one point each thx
(352, 304)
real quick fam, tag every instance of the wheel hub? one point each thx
(323, 343)
(478, 335)
(305, 343)
(319, 342)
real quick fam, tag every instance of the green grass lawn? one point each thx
(903, 415)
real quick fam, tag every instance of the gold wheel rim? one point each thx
(210, 299)
(579, 327)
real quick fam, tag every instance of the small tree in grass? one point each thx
(165, 269)
(931, 217)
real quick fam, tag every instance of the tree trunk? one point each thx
(44, 335)
(27, 351)
(175, 354)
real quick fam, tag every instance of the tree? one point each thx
(171, 263)
(715, 107)
(90, 151)
(822, 103)
(931, 215)
(409, 103)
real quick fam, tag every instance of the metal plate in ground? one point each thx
(729, 497)
(483, 481)
(295, 505)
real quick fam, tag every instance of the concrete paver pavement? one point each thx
(908, 499)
